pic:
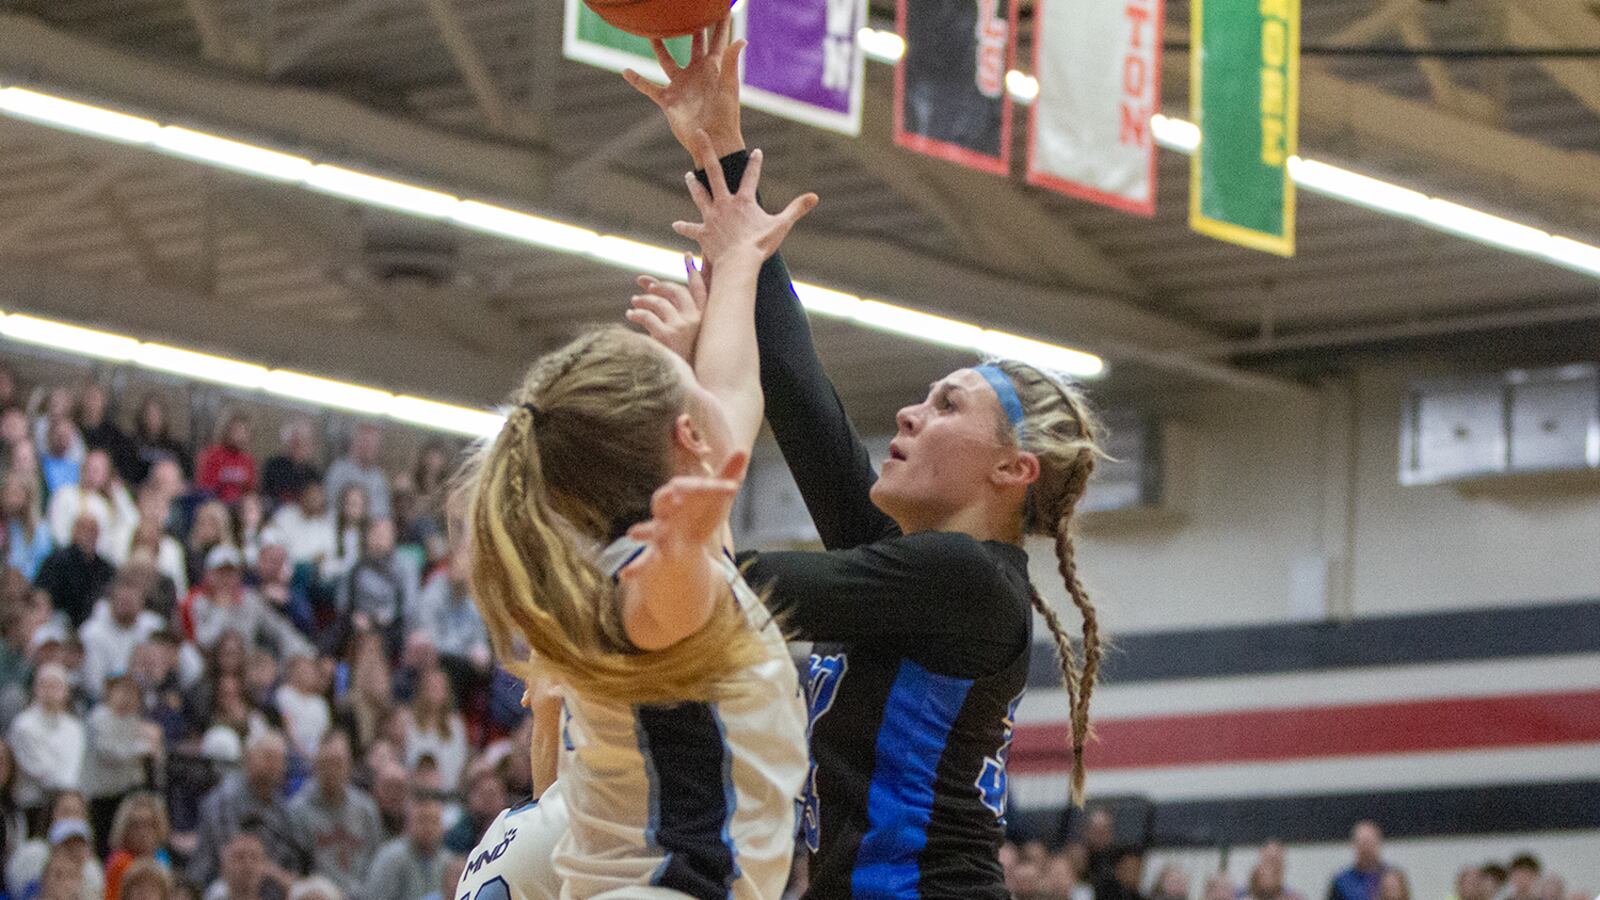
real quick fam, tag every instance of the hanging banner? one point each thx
(950, 98)
(1245, 94)
(590, 39)
(804, 63)
(1099, 71)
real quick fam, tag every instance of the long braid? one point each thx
(1064, 434)
(1067, 565)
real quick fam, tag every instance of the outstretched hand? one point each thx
(686, 515)
(734, 223)
(670, 312)
(702, 96)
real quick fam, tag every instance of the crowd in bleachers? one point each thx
(1089, 864)
(227, 677)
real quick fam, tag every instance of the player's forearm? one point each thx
(726, 360)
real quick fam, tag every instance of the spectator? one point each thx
(123, 750)
(212, 528)
(14, 436)
(1127, 874)
(1551, 887)
(60, 456)
(390, 787)
(306, 717)
(252, 796)
(417, 659)
(446, 611)
(430, 478)
(161, 592)
(13, 826)
(8, 388)
(154, 667)
(370, 700)
(275, 582)
(486, 798)
(435, 730)
(1469, 884)
(28, 541)
(1060, 879)
(96, 495)
(360, 467)
(146, 530)
(450, 876)
(1271, 868)
(1099, 836)
(374, 595)
(167, 484)
(116, 627)
(48, 742)
(1219, 887)
(305, 527)
(247, 871)
(144, 880)
(411, 866)
(1495, 875)
(62, 878)
(1171, 884)
(152, 438)
(227, 468)
(339, 820)
(287, 474)
(251, 518)
(1360, 881)
(100, 432)
(1393, 885)
(26, 865)
(76, 574)
(224, 604)
(1525, 870)
(139, 834)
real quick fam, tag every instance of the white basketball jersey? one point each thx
(694, 799)
(512, 861)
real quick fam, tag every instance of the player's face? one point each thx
(943, 454)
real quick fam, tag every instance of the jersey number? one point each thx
(992, 779)
(822, 685)
(492, 890)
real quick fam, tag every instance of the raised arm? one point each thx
(823, 451)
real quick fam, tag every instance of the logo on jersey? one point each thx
(485, 857)
(566, 727)
(992, 779)
(822, 686)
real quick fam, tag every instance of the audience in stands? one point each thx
(274, 683)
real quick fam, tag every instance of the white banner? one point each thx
(1099, 70)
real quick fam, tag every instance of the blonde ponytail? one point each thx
(585, 446)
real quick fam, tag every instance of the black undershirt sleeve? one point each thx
(826, 456)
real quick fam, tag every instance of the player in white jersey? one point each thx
(684, 719)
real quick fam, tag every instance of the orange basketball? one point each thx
(660, 18)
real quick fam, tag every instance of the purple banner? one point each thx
(803, 61)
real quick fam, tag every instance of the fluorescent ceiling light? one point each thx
(1062, 359)
(636, 256)
(444, 417)
(898, 319)
(522, 227)
(327, 392)
(68, 338)
(201, 366)
(376, 191)
(82, 118)
(207, 148)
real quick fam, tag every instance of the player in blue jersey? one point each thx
(921, 608)
(597, 520)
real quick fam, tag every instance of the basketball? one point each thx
(660, 18)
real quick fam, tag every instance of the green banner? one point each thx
(588, 38)
(1244, 93)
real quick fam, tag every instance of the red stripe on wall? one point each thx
(1284, 734)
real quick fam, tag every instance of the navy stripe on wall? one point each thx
(1434, 812)
(1479, 634)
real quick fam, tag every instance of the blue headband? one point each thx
(1006, 391)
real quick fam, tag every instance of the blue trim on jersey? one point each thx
(690, 768)
(918, 714)
(527, 804)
